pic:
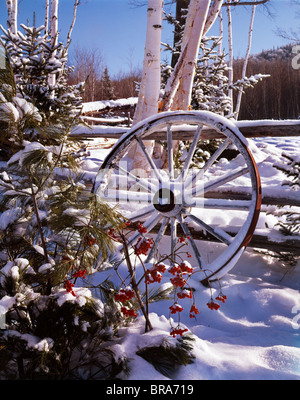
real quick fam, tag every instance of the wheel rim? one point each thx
(177, 200)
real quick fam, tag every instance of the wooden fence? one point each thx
(250, 129)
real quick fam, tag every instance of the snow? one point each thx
(256, 333)
(101, 105)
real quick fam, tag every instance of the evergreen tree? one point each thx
(108, 91)
(34, 60)
(53, 232)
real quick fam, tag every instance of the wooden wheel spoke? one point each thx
(170, 151)
(216, 183)
(190, 155)
(149, 225)
(144, 183)
(149, 159)
(173, 226)
(219, 233)
(226, 204)
(157, 240)
(209, 163)
(225, 179)
(191, 241)
(127, 196)
(144, 212)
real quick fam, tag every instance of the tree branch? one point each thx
(245, 3)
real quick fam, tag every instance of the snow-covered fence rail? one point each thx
(272, 240)
(250, 129)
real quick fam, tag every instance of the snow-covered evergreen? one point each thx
(34, 60)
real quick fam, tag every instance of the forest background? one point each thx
(275, 97)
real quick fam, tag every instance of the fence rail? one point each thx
(250, 129)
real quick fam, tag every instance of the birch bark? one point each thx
(46, 17)
(12, 11)
(53, 34)
(213, 13)
(230, 61)
(182, 86)
(150, 85)
(240, 93)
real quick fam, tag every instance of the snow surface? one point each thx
(256, 333)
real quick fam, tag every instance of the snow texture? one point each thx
(256, 333)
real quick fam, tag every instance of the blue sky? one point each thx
(118, 30)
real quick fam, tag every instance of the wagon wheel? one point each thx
(184, 202)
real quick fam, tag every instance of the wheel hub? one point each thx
(165, 202)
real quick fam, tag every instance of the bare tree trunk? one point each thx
(213, 13)
(181, 6)
(195, 22)
(240, 93)
(76, 4)
(53, 33)
(150, 84)
(12, 11)
(230, 62)
(47, 17)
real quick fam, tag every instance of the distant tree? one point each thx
(107, 87)
(88, 66)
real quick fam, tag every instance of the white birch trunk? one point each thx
(213, 13)
(53, 33)
(240, 93)
(230, 51)
(46, 17)
(196, 19)
(150, 84)
(12, 11)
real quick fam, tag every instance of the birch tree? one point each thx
(150, 84)
(230, 50)
(240, 93)
(12, 18)
(53, 33)
(194, 27)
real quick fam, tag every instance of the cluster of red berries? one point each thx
(80, 273)
(178, 271)
(143, 246)
(124, 295)
(128, 312)
(175, 308)
(142, 229)
(89, 241)
(215, 306)
(185, 294)
(193, 311)
(183, 268)
(178, 331)
(155, 273)
(69, 287)
(182, 239)
(112, 233)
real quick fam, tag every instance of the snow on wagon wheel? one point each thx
(180, 198)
